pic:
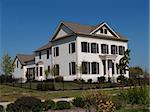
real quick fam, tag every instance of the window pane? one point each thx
(84, 67)
(84, 46)
(57, 51)
(121, 50)
(73, 47)
(113, 49)
(73, 68)
(93, 67)
(104, 48)
(93, 48)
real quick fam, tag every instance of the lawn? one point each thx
(66, 85)
(9, 93)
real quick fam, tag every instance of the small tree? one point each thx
(124, 61)
(6, 64)
(46, 74)
(53, 71)
(79, 70)
(135, 72)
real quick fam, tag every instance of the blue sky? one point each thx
(25, 25)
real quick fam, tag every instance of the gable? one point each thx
(62, 31)
(104, 29)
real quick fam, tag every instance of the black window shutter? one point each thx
(69, 48)
(88, 45)
(97, 48)
(97, 68)
(88, 67)
(69, 68)
(107, 49)
(101, 48)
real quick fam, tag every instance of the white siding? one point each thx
(64, 57)
(46, 63)
(19, 72)
(94, 57)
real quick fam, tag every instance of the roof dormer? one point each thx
(104, 29)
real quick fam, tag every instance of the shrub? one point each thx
(79, 102)
(5, 78)
(76, 80)
(2, 108)
(101, 79)
(89, 81)
(12, 107)
(49, 80)
(123, 79)
(45, 86)
(39, 86)
(48, 104)
(62, 105)
(109, 79)
(101, 102)
(28, 102)
(59, 79)
(135, 96)
(82, 80)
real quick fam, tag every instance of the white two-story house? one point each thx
(79, 52)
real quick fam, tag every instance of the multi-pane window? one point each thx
(72, 47)
(95, 68)
(39, 55)
(113, 49)
(85, 67)
(56, 51)
(104, 48)
(41, 71)
(47, 53)
(94, 48)
(84, 47)
(121, 50)
(72, 68)
(56, 69)
(105, 31)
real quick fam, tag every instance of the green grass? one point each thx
(9, 93)
(59, 85)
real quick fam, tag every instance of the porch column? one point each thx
(106, 63)
(115, 72)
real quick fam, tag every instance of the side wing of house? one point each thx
(19, 70)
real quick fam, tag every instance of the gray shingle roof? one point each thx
(46, 46)
(84, 29)
(78, 28)
(23, 58)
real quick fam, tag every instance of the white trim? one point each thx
(101, 26)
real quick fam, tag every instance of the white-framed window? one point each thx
(72, 68)
(72, 47)
(104, 49)
(56, 51)
(85, 47)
